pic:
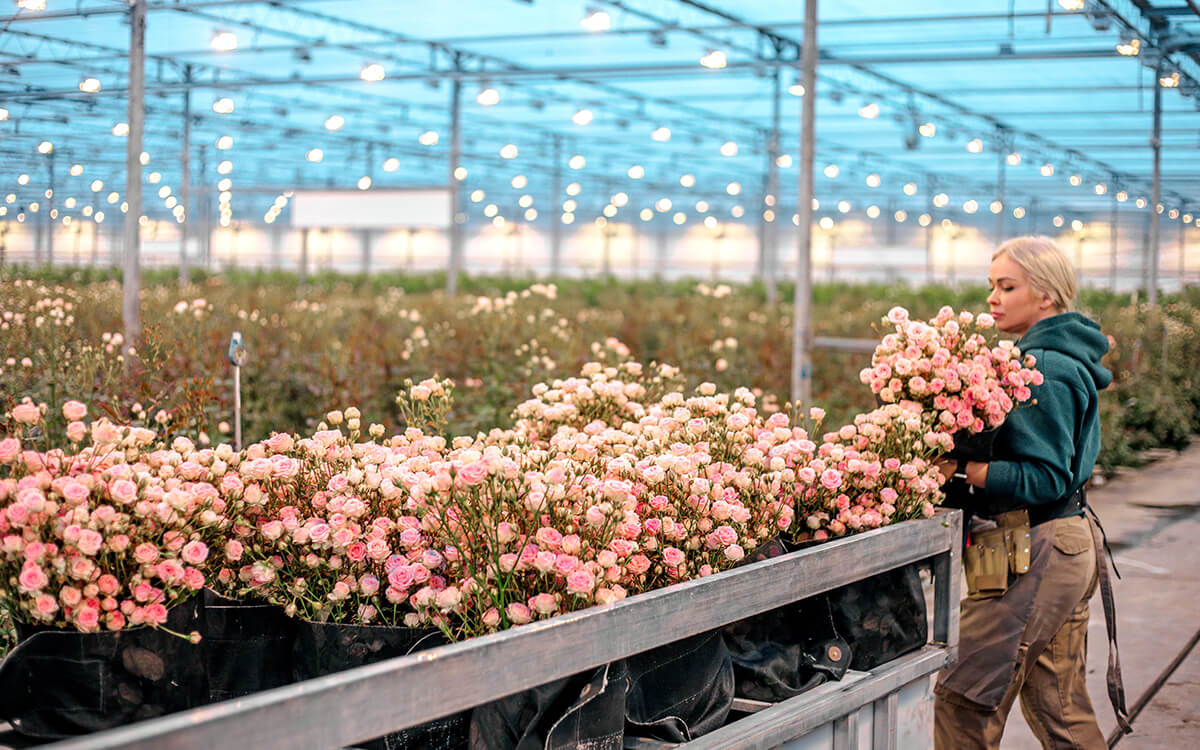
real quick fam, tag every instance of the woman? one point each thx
(1030, 641)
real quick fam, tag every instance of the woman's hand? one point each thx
(976, 471)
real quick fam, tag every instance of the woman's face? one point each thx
(1014, 303)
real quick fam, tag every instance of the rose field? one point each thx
(480, 462)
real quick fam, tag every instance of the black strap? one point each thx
(1116, 686)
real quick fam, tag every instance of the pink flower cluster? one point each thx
(108, 536)
(947, 366)
(322, 527)
(608, 484)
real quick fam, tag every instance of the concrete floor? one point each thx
(1152, 517)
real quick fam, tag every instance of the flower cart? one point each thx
(887, 707)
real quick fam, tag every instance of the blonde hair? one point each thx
(1050, 270)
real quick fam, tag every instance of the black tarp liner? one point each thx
(680, 691)
(325, 648)
(59, 683)
(247, 646)
(585, 711)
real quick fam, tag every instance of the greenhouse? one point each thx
(599, 374)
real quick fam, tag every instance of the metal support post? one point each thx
(303, 271)
(802, 303)
(132, 282)
(366, 251)
(770, 235)
(1001, 177)
(1112, 241)
(456, 234)
(929, 238)
(1182, 251)
(238, 355)
(205, 209)
(50, 211)
(185, 162)
(556, 208)
(1156, 197)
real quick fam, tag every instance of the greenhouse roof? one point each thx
(920, 104)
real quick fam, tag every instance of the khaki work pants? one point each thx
(1048, 662)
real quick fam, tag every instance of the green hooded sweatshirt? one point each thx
(1046, 448)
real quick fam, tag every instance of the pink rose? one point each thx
(378, 549)
(543, 604)
(280, 442)
(448, 598)
(76, 431)
(491, 618)
(45, 606)
(473, 473)
(108, 584)
(401, 577)
(565, 564)
(194, 552)
(70, 596)
(548, 537)
(831, 479)
(518, 614)
(170, 571)
(27, 414)
(233, 550)
(17, 514)
(284, 468)
(545, 560)
(231, 484)
(89, 542)
(580, 582)
(74, 410)
(123, 491)
(155, 614)
(32, 577)
(10, 448)
(726, 535)
(87, 619)
(357, 552)
(145, 553)
(105, 432)
(673, 556)
(622, 547)
(734, 552)
(638, 564)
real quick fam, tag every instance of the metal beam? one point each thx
(185, 192)
(802, 301)
(551, 74)
(455, 229)
(131, 283)
(1156, 193)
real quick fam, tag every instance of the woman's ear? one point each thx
(1046, 302)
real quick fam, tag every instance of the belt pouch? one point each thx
(1018, 538)
(986, 564)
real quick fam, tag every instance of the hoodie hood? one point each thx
(1075, 336)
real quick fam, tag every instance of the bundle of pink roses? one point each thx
(872, 473)
(322, 529)
(107, 535)
(607, 484)
(948, 367)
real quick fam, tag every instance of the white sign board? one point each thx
(371, 209)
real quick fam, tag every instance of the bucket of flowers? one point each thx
(103, 549)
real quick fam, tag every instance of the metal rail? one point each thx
(348, 707)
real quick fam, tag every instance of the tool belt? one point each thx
(997, 552)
